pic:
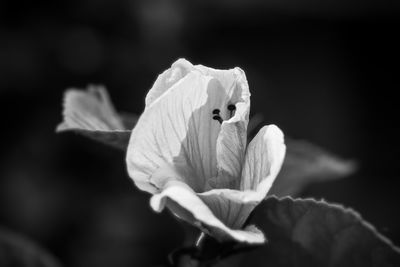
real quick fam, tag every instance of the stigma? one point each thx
(216, 113)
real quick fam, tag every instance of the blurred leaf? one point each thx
(314, 233)
(17, 251)
(254, 122)
(92, 114)
(306, 163)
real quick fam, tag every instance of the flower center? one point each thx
(217, 116)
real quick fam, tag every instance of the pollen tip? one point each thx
(216, 111)
(218, 118)
(231, 107)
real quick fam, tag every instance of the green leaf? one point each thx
(306, 163)
(314, 233)
(17, 251)
(92, 114)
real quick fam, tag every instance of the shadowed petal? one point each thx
(185, 204)
(232, 140)
(229, 79)
(264, 158)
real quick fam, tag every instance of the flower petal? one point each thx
(228, 78)
(232, 140)
(167, 79)
(233, 207)
(264, 158)
(178, 129)
(185, 204)
(92, 114)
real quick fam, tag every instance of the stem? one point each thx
(206, 252)
(200, 240)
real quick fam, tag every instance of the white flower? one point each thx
(189, 149)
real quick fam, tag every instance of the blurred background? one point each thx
(324, 71)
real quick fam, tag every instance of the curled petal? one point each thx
(264, 158)
(233, 207)
(167, 79)
(92, 114)
(232, 140)
(229, 79)
(185, 204)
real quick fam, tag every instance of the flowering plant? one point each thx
(189, 150)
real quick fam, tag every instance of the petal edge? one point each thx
(185, 204)
(264, 159)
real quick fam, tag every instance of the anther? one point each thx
(231, 107)
(216, 111)
(218, 118)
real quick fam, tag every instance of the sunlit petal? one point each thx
(233, 207)
(168, 78)
(178, 129)
(185, 204)
(231, 144)
(264, 158)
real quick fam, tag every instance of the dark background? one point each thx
(324, 71)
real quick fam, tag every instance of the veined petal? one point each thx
(92, 114)
(233, 207)
(229, 79)
(264, 158)
(167, 79)
(178, 129)
(185, 204)
(232, 140)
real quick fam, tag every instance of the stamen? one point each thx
(231, 109)
(216, 111)
(218, 118)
